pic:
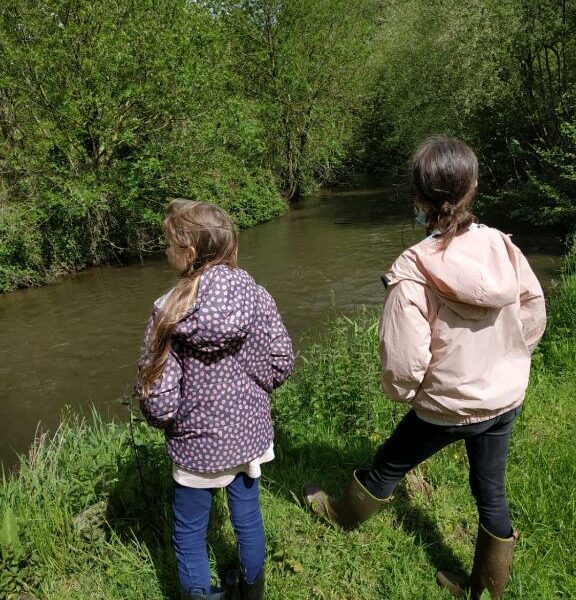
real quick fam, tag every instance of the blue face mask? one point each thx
(421, 217)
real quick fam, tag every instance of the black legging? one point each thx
(415, 440)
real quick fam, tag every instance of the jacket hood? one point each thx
(475, 274)
(222, 313)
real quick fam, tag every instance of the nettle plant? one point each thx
(18, 572)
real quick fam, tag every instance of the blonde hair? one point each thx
(210, 232)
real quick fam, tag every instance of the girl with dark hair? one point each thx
(463, 313)
(214, 349)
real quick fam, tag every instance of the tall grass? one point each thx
(330, 418)
(558, 347)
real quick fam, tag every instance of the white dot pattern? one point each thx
(228, 353)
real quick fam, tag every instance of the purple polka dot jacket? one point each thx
(228, 353)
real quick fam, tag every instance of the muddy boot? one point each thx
(491, 569)
(355, 506)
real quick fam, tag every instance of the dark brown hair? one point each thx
(443, 175)
(210, 232)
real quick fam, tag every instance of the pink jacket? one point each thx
(459, 326)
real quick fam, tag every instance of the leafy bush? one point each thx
(19, 563)
(124, 107)
(20, 248)
(337, 383)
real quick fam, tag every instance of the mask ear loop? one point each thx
(421, 218)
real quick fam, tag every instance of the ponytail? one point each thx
(177, 303)
(443, 173)
(449, 220)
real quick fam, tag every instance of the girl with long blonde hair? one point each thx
(215, 347)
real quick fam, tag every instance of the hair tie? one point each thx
(447, 209)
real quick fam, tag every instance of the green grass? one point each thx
(558, 348)
(330, 417)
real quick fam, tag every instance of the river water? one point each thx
(77, 342)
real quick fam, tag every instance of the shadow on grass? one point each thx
(417, 522)
(300, 460)
(139, 508)
(140, 501)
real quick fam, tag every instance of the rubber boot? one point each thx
(236, 587)
(491, 569)
(355, 506)
(231, 584)
(253, 591)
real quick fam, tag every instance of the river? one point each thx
(76, 342)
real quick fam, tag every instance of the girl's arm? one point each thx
(161, 404)
(532, 305)
(404, 340)
(281, 354)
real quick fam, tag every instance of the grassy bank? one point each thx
(330, 417)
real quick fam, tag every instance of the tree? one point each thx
(106, 109)
(308, 64)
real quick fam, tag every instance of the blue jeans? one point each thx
(415, 440)
(191, 508)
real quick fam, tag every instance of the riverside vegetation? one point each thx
(88, 514)
(109, 108)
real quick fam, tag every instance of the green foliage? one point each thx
(107, 110)
(558, 348)
(9, 535)
(20, 248)
(337, 384)
(19, 568)
(502, 76)
(19, 571)
(61, 478)
(308, 63)
(439, 65)
(555, 183)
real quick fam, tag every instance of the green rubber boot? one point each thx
(355, 506)
(491, 570)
